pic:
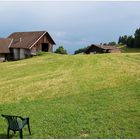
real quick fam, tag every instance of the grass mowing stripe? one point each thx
(80, 96)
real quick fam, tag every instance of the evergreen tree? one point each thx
(130, 42)
(137, 38)
(120, 40)
(113, 43)
(124, 39)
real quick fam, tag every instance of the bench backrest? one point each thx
(12, 122)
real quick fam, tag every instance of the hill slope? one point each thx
(125, 49)
(65, 96)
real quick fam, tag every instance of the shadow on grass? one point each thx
(4, 136)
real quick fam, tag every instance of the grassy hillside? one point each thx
(67, 96)
(125, 49)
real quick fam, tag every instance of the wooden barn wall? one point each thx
(2, 57)
(94, 49)
(38, 46)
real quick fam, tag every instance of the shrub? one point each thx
(61, 50)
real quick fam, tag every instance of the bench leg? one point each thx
(28, 126)
(20, 134)
(29, 129)
(8, 132)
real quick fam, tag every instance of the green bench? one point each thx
(16, 123)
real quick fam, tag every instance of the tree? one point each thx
(105, 44)
(137, 38)
(120, 40)
(130, 42)
(113, 43)
(61, 50)
(124, 39)
(110, 43)
(81, 50)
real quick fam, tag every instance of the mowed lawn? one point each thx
(73, 96)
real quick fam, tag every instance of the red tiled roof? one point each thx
(27, 39)
(5, 44)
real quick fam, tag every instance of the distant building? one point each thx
(93, 49)
(4, 48)
(20, 45)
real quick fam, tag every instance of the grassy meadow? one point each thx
(125, 49)
(73, 96)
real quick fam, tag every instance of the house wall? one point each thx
(51, 48)
(27, 53)
(38, 46)
(33, 51)
(2, 57)
(94, 50)
(19, 54)
(22, 54)
(16, 54)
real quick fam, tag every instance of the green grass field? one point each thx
(125, 49)
(73, 96)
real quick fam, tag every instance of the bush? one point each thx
(61, 50)
(81, 50)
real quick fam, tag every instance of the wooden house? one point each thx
(4, 48)
(26, 44)
(93, 49)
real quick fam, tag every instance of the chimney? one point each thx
(20, 39)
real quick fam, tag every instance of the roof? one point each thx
(104, 47)
(27, 39)
(5, 44)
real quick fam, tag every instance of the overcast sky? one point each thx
(71, 24)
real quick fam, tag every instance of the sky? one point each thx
(71, 24)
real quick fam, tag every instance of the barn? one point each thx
(27, 44)
(93, 49)
(4, 48)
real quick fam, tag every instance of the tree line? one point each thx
(130, 41)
